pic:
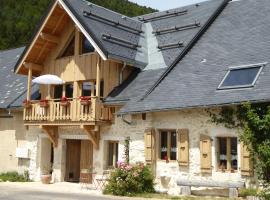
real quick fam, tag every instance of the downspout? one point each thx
(121, 73)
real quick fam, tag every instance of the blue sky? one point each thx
(165, 4)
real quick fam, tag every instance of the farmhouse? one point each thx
(149, 79)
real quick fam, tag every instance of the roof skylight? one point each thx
(241, 77)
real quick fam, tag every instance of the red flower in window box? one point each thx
(44, 103)
(64, 101)
(85, 100)
(26, 104)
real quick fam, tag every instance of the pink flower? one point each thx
(128, 167)
(135, 174)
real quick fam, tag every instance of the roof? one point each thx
(190, 22)
(99, 22)
(235, 38)
(13, 87)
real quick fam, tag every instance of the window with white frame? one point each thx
(241, 77)
(168, 145)
(227, 158)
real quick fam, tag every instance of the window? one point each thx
(58, 91)
(240, 77)
(69, 50)
(69, 90)
(112, 154)
(86, 46)
(227, 153)
(168, 145)
(87, 88)
(102, 88)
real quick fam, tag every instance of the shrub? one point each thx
(248, 192)
(129, 180)
(13, 177)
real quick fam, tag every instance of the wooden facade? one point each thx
(46, 55)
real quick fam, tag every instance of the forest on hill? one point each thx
(18, 18)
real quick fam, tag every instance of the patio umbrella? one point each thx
(48, 79)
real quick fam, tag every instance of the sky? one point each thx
(165, 4)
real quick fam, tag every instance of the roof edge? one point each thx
(34, 35)
(189, 45)
(84, 29)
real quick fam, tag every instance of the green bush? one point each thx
(13, 177)
(248, 192)
(129, 180)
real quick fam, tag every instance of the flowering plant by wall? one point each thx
(128, 180)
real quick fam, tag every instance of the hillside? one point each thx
(18, 18)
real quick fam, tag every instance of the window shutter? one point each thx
(206, 158)
(246, 163)
(183, 147)
(149, 141)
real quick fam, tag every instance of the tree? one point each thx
(253, 122)
(18, 19)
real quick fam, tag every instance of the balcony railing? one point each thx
(72, 110)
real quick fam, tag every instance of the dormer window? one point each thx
(241, 77)
(86, 46)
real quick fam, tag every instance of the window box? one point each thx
(27, 104)
(44, 103)
(85, 101)
(64, 102)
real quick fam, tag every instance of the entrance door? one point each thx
(86, 156)
(73, 155)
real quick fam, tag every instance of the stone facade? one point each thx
(197, 121)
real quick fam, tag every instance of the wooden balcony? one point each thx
(55, 112)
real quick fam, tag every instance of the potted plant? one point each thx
(64, 102)
(85, 100)
(44, 103)
(46, 175)
(26, 104)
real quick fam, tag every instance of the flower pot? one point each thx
(43, 104)
(64, 103)
(46, 179)
(85, 102)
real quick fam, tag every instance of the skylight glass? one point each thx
(241, 77)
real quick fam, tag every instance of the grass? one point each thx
(13, 177)
(165, 196)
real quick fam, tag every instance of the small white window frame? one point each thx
(261, 65)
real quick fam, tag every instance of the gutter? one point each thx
(189, 46)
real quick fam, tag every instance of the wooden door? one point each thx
(86, 156)
(73, 161)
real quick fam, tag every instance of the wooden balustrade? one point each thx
(74, 111)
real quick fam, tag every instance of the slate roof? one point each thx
(236, 37)
(13, 87)
(97, 26)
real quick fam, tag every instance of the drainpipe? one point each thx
(121, 73)
(124, 120)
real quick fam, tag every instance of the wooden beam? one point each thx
(50, 38)
(52, 132)
(29, 81)
(98, 77)
(93, 134)
(33, 66)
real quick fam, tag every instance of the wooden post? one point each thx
(98, 77)
(77, 42)
(29, 84)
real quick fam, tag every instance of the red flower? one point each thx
(64, 99)
(83, 98)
